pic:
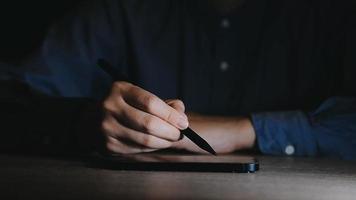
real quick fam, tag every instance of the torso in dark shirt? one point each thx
(265, 56)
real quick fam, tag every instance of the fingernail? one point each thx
(183, 123)
(181, 137)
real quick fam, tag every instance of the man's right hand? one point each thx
(137, 121)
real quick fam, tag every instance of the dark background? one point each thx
(23, 25)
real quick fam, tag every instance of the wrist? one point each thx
(246, 134)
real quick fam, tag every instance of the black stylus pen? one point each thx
(189, 133)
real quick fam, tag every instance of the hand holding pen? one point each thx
(137, 121)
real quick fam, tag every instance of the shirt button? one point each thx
(224, 66)
(225, 23)
(289, 150)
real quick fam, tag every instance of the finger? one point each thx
(147, 123)
(115, 146)
(113, 129)
(177, 104)
(150, 103)
(139, 120)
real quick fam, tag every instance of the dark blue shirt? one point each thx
(287, 64)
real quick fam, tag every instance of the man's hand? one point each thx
(137, 121)
(224, 134)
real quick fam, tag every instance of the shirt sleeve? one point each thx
(65, 63)
(330, 130)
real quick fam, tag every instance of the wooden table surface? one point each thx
(31, 177)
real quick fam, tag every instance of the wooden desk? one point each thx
(279, 178)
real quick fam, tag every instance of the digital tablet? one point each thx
(176, 162)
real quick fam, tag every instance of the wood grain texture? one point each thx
(279, 178)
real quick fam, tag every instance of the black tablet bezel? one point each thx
(247, 165)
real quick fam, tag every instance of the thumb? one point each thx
(177, 105)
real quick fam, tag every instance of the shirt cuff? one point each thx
(287, 133)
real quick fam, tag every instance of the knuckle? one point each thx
(173, 118)
(149, 123)
(113, 105)
(111, 147)
(105, 126)
(107, 104)
(147, 141)
(118, 85)
(179, 106)
(179, 102)
(116, 88)
(148, 102)
(170, 117)
(126, 84)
